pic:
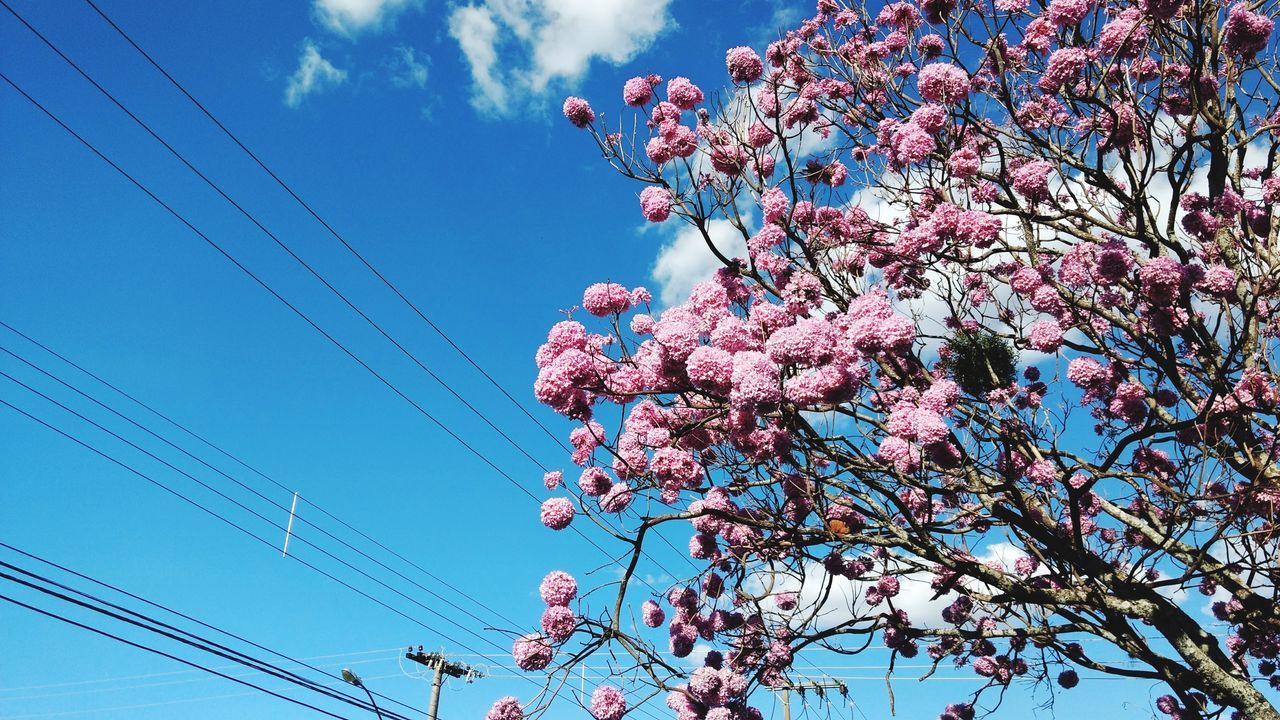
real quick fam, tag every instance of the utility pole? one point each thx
(819, 686)
(442, 666)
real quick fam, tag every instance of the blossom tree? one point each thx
(1003, 327)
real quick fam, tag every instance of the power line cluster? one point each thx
(122, 618)
(469, 444)
(322, 546)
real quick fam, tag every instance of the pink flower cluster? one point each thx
(683, 94)
(655, 203)
(578, 111)
(558, 623)
(558, 588)
(507, 708)
(638, 91)
(557, 513)
(744, 65)
(1031, 180)
(608, 703)
(532, 652)
(652, 614)
(604, 299)
(712, 693)
(1246, 32)
(944, 83)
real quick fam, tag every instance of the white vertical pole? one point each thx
(289, 530)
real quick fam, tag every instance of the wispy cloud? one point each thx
(314, 74)
(406, 70)
(477, 34)
(521, 49)
(352, 17)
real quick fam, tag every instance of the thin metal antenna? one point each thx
(288, 531)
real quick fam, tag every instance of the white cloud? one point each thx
(406, 70)
(314, 74)
(546, 42)
(687, 261)
(477, 34)
(351, 17)
(824, 602)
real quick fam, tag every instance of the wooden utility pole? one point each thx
(819, 686)
(442, 667)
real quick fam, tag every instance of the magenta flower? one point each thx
(1065, 65)
(652, 614)
(931, 118)
(710, 369)
(1045, 336)
(1032, 180)
(558, 623)
(1218, 280)
(532, 652)
(594, 482)
(888, 586)
(912, 144)
(1246, 33)
(558, 588)
(1162, 279)
(1085, 372)
(1042, 473)
(756, 381)
(578, 111)
(759, 135)
(682, 93)
(617, 499)
(1067, 13)
(604, 299)
(964, 163)
(943, 83)
(608, 703)
(507, 708)
(557, 513)
(655, 203)
(744, 65)
(637, 91)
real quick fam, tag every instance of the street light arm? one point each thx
(372, 701)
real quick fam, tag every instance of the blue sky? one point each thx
(430, 136)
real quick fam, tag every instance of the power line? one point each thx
(258, 515)
(421, 410)
(338, 236)
(275, 238)
(232, 523)
(140, 646)
(139, 706)
(239, 527)
(158, 627)
(147, 676)
(158, 683)
(209, 443)
(314, 273)
(180, 614)
(255, 492)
